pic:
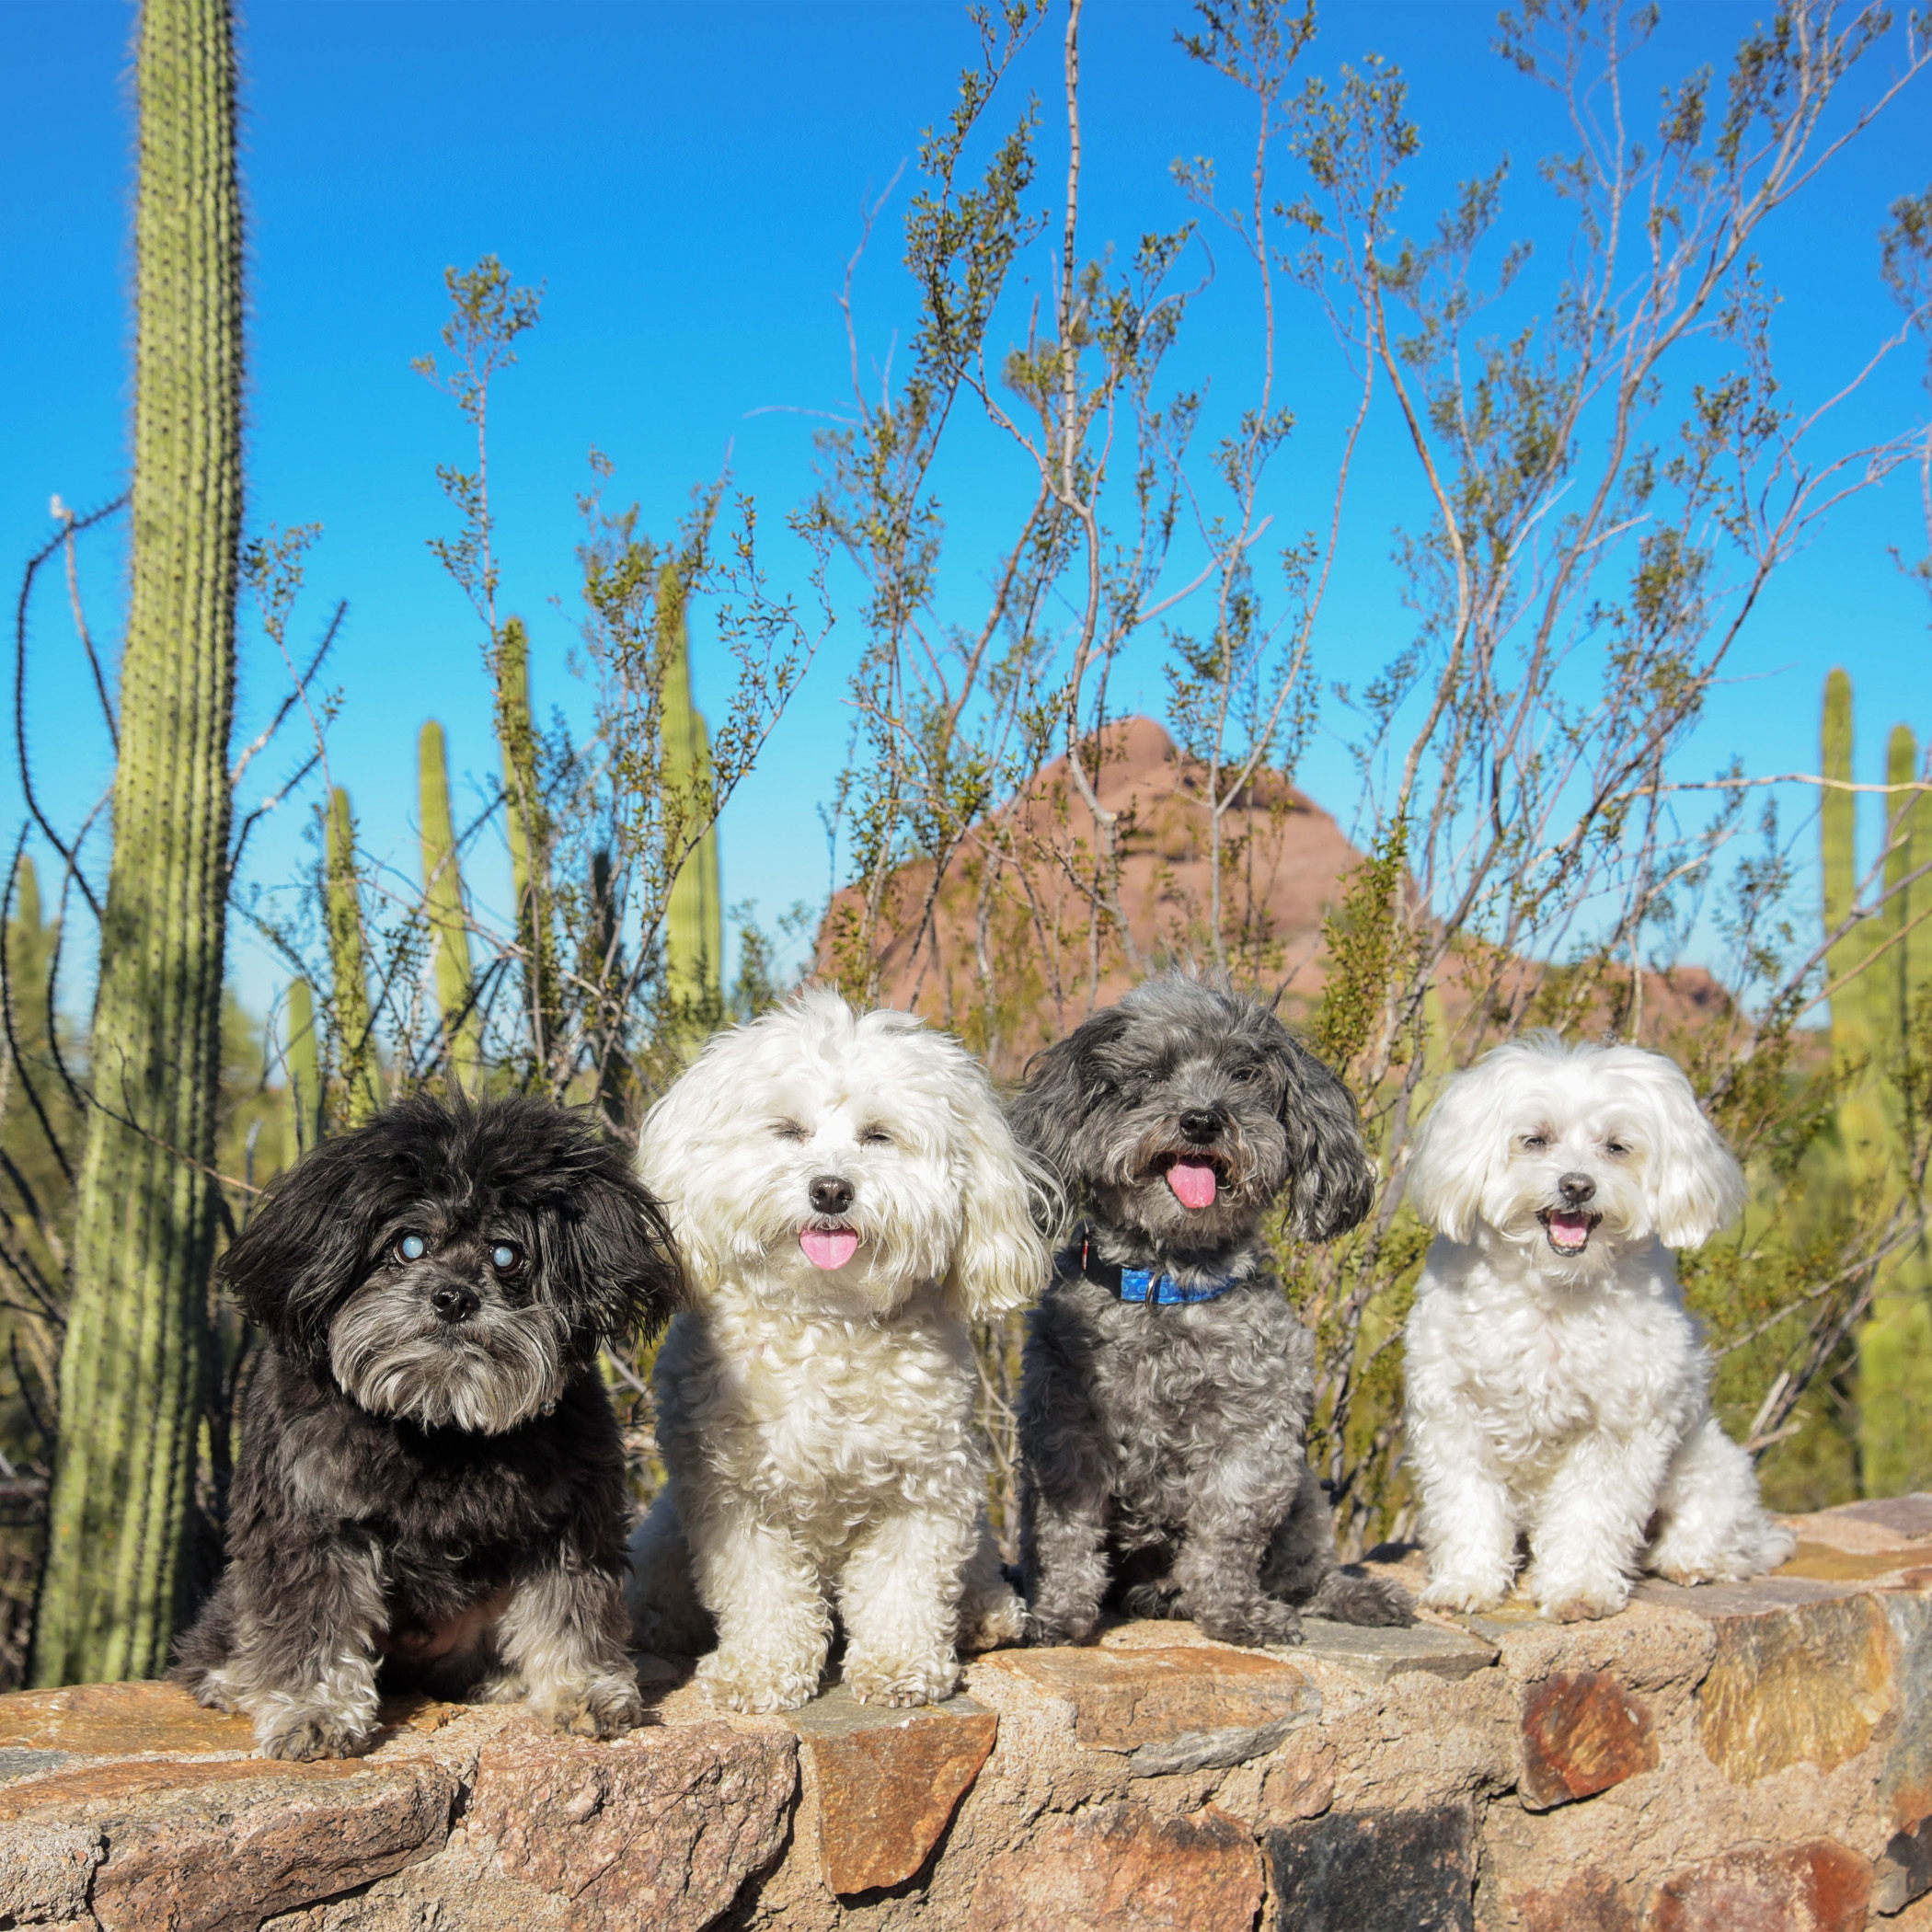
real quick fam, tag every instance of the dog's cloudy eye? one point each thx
(410, 1248)
(506, 1258)
(1535, 1143)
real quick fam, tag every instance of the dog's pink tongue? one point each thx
(1572, 1230)
(1193, 1182)
(828, 1246)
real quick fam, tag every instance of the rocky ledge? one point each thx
(1732, 1759)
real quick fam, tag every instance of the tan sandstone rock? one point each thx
(1123, 1868)
(657, 1829)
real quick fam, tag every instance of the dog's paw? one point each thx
(1263, 1622)
(995, 1625)
(1580, 1601)
(306, 1734)
(1373, 1601)
(1046, 1631)
(756, 1685)
(1461, 1594)
(898, 1682)
(1153, 1601)
(604, 1708)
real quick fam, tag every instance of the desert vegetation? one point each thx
(1605, 475)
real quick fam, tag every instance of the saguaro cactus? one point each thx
(449, 916)
(305, 1066)
(529, 835)
(135, 1362)
(349, 971)
(694, 918)
(1879, 969)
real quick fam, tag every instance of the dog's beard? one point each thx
(1567, 1243)
(485, 1375)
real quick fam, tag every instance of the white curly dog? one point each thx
(1558, 1386)
(846, 1197)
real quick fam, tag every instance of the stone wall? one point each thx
(1719, 1760)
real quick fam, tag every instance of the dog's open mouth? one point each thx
(1194, 1177)
(1568, 1228)
(828, 1246)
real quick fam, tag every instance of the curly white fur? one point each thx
(1556, 1385)
(816, 1417)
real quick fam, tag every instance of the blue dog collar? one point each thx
(1164, 1291)
(1136, 1285)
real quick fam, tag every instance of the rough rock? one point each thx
(1300, 1784)
(45, 1869)
(1582, 1733)
(1591, 1902)
(1123, 1867)
(1818, 1886)
(216, 1847)
(1439, 1649)
(887, 1782)
(1802, 1685)
(1906, 1783)
(659, 1828)
(1173, 1709)
(1376, 1872)
(1904, 1870)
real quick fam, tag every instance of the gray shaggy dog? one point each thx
(430, 1489)
(1167, 1383)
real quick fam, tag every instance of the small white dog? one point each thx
(846, 1196)
(1557, 1384)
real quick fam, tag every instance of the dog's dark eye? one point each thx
(789, 1130)
(875, 1137)
(410, 1248)
(1615, 1147)
(1243, 1075)
(1535, 1143)
(506, 1256)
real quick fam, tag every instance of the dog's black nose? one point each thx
(453, 1302)
(1201, 1123)
(829, 1195)
(1576, 1189)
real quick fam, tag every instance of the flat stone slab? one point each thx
(1175, 1707)
(1439, 1649)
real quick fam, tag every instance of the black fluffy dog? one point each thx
(1167, 1383)
(430, 1486)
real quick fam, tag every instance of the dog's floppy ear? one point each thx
(1061, 1084)
(1693, 1179)
(1333, 1181)
(1010, 1206)
(305, 1248)
(1455, 1154)
(625, 1277)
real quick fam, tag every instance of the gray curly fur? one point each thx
(1163, 1461)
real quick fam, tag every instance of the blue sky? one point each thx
(686, 183)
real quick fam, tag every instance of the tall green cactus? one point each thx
(449, 915)
(1879, 970)
(529, 835)
(134, 1364)
(694, 917)
(305, 1068)
(349, 971)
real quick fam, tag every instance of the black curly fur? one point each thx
(439, 1498)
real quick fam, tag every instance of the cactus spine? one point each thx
(449, 916)
(529, 836)
(694, 917)
(347, 969)
(1879, 986)
(135, 1364)
(305, 1068)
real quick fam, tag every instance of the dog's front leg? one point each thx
(1066, 1495)
(1232, 1509)
(1590, 1522)
(764, 1591)
(899, 1597)
(1468, 1524)
(302, 1659)
(562, 1637)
